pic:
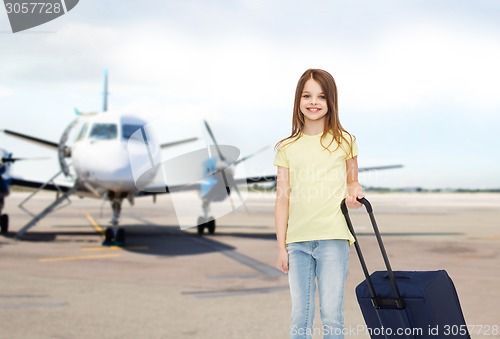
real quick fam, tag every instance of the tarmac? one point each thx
(167, 283)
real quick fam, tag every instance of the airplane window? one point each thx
(129, 130)
(83, 131)
(103, 131)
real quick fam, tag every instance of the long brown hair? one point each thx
(332, 122)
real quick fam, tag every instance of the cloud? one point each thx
(5, 92)
(426, 64)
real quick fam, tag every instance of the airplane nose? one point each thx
(108, 167)
(114, 169)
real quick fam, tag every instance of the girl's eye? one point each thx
(322, 97)
(306, 96)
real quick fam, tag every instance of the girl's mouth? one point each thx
(313, 109)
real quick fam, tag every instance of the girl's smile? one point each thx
(313, 109)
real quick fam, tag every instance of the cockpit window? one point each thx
(103, 131)
(83, 131)
(129, 130)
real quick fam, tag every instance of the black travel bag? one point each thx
(406, 304)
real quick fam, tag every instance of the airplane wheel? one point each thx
(4, 223)
(120, 237)
(201, 225)
(201, 228)
(211, 227)
(108, 237)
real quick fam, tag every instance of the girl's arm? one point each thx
(354, 189)
(281, 216)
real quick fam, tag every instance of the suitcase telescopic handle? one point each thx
(376, 301)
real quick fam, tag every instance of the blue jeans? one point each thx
(326, 260)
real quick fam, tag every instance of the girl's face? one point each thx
(313, 101)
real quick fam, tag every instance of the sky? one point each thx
(418, 81)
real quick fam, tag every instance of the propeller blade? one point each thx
(251, 155)
(209, 130)
(5, 160)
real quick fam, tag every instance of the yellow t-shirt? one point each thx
(318, 183)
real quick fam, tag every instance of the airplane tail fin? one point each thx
(105, 92)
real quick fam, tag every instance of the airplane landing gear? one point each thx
(109, 237)
(114, 235)
(4, 218)
(202, 224)
(202, 221)
(116, 206)
(114, 239)
(211, 227)
(4, 223)
(120, 237)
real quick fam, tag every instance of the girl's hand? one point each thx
(354, 190)
(283, 261)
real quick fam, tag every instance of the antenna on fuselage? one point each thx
(105, 92)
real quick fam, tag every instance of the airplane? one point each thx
(100, 165)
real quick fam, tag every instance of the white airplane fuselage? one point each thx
(102, 153)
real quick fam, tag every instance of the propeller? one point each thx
(209, 130)
(64, 151)
(8, 159)
(222, 158)
(251, 155)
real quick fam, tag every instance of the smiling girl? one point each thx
(317, 168)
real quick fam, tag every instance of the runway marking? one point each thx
(83, 257)
(101, 249)
(95, 224)
(33, 305)
(16, 296)
(232, 292)
(113, 248)
(232, 276)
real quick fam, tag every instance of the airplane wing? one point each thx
(51, 186)
(256, 180)
(21, 182)
(378, 168)
(178, 142)
(42, 142)
(162, 189)
(270, 178)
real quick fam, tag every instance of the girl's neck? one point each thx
(313, 127)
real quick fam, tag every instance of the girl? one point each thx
(317, 168)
